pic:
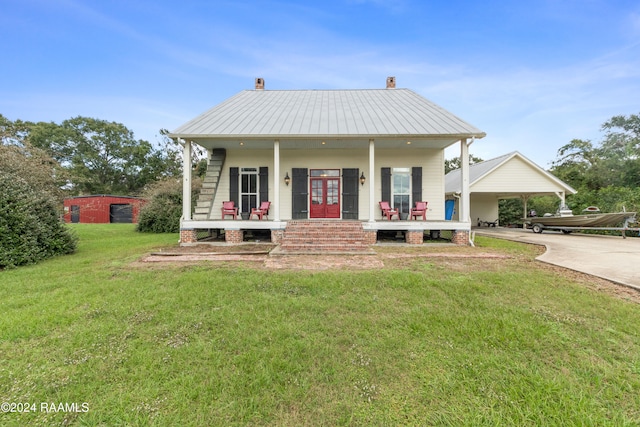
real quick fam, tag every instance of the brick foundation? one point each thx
(276, 236)
(460, 237)
(233, 236)
(370, 237)
(414, 237)
(188, 235)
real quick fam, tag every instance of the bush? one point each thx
(163, 210)
(30, 227)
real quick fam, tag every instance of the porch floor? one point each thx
(394, 225)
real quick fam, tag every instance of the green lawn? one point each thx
(427, 341)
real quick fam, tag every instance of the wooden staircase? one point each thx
(324, 236)
(207, 194)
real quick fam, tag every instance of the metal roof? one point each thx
(477, 171)
(353, 113)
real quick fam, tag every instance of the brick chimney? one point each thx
(259, 83)
(391, 82)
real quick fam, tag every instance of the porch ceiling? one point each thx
(329, 142)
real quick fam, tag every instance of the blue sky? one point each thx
(532, 74)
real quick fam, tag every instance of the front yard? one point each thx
(431, 336)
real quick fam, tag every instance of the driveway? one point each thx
(609, 257)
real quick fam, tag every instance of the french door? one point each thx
(324, 197)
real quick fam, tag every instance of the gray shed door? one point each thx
(120, 213)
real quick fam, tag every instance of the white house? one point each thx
(325, 155)
(509, 176)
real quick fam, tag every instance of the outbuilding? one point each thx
(506, 177)
(102, 209)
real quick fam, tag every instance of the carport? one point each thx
(506, 177)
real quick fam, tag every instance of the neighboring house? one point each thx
(506, 177)
(323, 154)
(102, 209)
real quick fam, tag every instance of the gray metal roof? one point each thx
(327, 113)
(477, 171)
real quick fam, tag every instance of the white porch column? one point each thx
(372, 180)
(186, 181)
(276, 181)
(561, 195)
(465, 200)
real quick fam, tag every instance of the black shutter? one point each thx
(264, 184)
(385, 181)
(234, 193)
(350, 181)
(299, 193)
(416, 184)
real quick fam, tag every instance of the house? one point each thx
(509, 176)
(324, 156)
(102, 209)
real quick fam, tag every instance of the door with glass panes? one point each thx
(325, 193)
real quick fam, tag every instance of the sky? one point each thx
(531, 74)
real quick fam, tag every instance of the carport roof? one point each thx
(480, 170)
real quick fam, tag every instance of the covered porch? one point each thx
(367, 190)
(330, 155)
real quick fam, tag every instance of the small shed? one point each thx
(102, 209)
(506, 177)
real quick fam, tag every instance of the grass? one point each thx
(429, 341)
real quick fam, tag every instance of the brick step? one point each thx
(324, 248)
(323, 236)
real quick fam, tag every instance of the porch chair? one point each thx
(229, 208)
(263, 210)
(419, 210)
(387, 211)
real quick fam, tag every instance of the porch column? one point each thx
(465, 201)
(276, 181)
(372, 180)
(186, 180)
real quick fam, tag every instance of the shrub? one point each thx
(30, 227)
(163, 210)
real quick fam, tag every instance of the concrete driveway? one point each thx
(609, 257)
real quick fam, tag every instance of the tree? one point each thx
(19, 158)
(163, 210)
(606, 174)
(615, 161)
(621, 149)
(30, 225)
(104, 157)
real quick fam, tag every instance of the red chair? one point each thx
(419, 210)
(263, 210)
(387, 211)
(229, 208)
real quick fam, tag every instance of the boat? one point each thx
(565, 220)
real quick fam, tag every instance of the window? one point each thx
(401, 189)
(248, 189)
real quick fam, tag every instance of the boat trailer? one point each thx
(539, 228)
